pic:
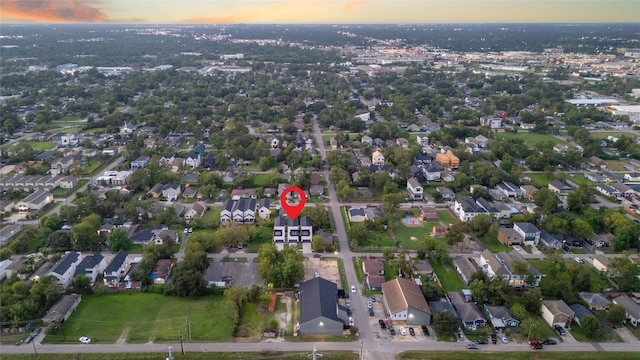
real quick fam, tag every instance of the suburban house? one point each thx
(415, 189)
(264, 209)
(595, 301)
(509, 189)
(601, 263)
(528, 191)
(91, 266)
(140, 162)
(162, 271)
(559, 188)
(320, 313)
(500, 317)
(7, 232)
(509, 236)
(597, 162)
(61, 311)
(114, 270)
(447, 194)
(377, 158)
(468, 312)
(357, 215)
(298, 230)
(155, 191)
(193, 160)
(464, 267)
(432, 172)
(502, 265)
(607, 190)
(557, 312)
(423, 267)
(403, 300)
(422, 139)
(372, 267)
(580, 312)
(65, 269)
(631, 308)
(529, 232)
(171, 191)
(35, 201)
(196, 209)
(237, 194)
(374, 282)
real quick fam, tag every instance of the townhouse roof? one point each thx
(527, 227)
(264, 203)
(558, 307)
(117, 261)
(318, 297)
(65, 263)
(413, 182)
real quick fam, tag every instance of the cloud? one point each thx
(58, 11)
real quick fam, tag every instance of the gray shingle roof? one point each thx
(65, 263)
(318, 297)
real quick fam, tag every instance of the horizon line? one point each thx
(324, 24)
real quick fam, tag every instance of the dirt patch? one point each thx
(326, 269)
(413, 238)
(123, 337)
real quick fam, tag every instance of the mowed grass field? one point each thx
(144, 317)
(531, 139)
(190, 355)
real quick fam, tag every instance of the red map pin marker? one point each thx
(293, 210)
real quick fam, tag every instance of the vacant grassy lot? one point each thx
(448, 277)
(40, 145)
(143, 317)
(493, 244)
(446, 217)
(261, 180)
(579, 179)
(617, 165)
(520, 355)
(327, 355)
(597, 280)
(530, 139)
(404, 233)
(539, 179)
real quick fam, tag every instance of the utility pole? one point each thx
(186, 318)
(33, 342)
(181, 340)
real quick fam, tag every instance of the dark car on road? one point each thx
(494, 338)
(549, 342)
(482, 342)
(392, 331)
(536, 346)
(371, 313)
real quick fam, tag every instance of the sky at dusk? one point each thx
(318, 11)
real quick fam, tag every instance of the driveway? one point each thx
(626, 335)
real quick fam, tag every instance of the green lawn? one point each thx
(404, 233)
(190, 355)
(144, 317)
(446, 217)
(605, 134)
(493, 244)
(530, 139)
(40, 145)
(357, 265)
(525, 354)
(261, 180)
(579, 179)
(448, 277)
(606, 333)
(539, 179)
(212, 215)
(251, 323)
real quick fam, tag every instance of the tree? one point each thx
(431, 291)
(283, 268)
(236, 296)
(616, 314)
(481, 224)
(391, 202)
(84, 235)
(316, 243)
(318, 216)
(82, 284)
(338, 174)
(456, 233)
(59, 241)
(445, 324)
(118, 240)
(546, 199)
(591, 326)
(344, 191)
(519, 312)
(625, 273)
(233, 234)
(581, 228)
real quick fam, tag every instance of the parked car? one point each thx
(317, 256)
(349, 312)
(392, 331)
(536, 346)
(482, 342)
(351, 323)
(382, 324)
(412, 332)
(504, 339)
(425, 330)
(472, 346)
(373, 298)
(549, 342)
(578, 260)
(353, 288)
(560, 330)
(371, 313)
(369, 304)
(85, 340)
(494, 338)
(347, 303)
(403, 331)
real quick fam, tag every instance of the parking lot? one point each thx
(242, 273)
(326, 269)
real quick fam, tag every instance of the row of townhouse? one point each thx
(468, 208)
(293, 231)
(34, 182)
(497, 265)
(243, 210)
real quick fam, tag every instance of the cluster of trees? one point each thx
(25, 300)
(187, 276)
(282, 269)
(151, 253)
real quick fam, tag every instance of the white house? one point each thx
(264, 209)
(631, 308)
(171, 191)
(529, 232)
(415, 189)
(422, 140)
(296, 231)
(114, 270)
(557, 312)
(467, 209)
(35, 201)
(91, 266)
(608, 190)
(65, 269)
(195, 210)
(502, 265)
(242, 211)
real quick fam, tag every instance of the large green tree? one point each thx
(118, 240)
(283, 268)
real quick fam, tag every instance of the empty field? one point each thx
(531, 139)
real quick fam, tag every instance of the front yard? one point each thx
(448, 277)
(145, 317)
